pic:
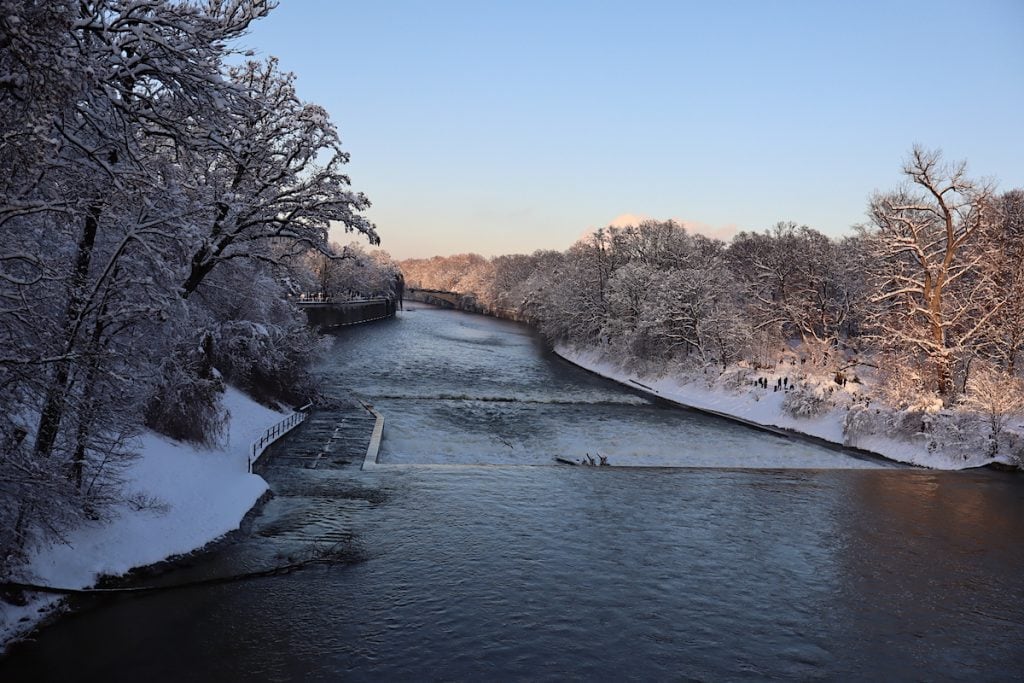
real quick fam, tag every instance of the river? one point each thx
(474, 556)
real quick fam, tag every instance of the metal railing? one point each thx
(272, 434)
(321, 299)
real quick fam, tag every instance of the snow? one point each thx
(198, 494)
(764, 407)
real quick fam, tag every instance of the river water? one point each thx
(475, 557)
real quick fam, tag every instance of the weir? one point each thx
(437, 560)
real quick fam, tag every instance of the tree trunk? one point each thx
(943, 372)
(90, 403)
(200, 269)
(203, 262)
(20, 525)
(56, 394)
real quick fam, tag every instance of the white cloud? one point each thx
(628, 219)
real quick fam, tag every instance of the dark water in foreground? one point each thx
(541, 573)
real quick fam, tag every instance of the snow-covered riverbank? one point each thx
(191, 496)
(733, 394)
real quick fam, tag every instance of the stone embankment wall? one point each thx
(460, 302)
(328, 315)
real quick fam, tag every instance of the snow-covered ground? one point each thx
(198, 494)
(721, 393)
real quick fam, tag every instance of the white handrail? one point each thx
(320, 299)
(272, 434)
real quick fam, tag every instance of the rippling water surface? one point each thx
(548, 573)
(459, 388)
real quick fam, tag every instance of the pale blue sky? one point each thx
(508, 127)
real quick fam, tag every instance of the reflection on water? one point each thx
(548, 573)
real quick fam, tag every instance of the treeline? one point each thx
(161, 197)
(351, 272)
(930, 291)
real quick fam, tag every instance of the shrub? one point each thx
(185, 402)
(806, 401)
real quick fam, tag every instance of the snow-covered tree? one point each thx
(133, 161)
(997, 396)
(509, 274)
(792, 282)
(629, 288)
(350, 271)
(93, 95)
(927, 264)
(273, 181)
(531, 293)
(571, 305)
(693, 312)
(1003, 337)
(658, 244)
(104, 188)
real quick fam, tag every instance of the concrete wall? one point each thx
(325, 316)
(461, 302)
(434, 297)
